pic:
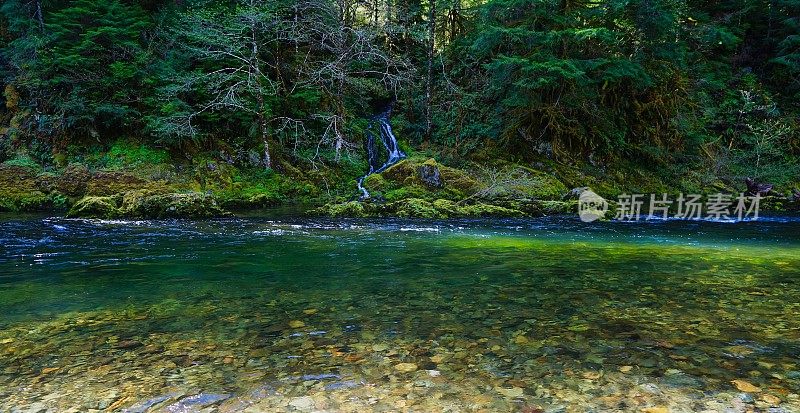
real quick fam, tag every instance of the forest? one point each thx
(354, 206)
(703, 93)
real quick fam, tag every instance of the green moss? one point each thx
(558, 207)
(188, 205)
(414, 208)
(74, 181)
(94, 207)
(488, 210)
(375, 183)
(251, 189)
(539, 185)
(353, 209)
(459, 182)
(146, 204)
(446, 208)
(106, 183)
(124, 154)
(417, 208)
(23, 161)
(35, 201)
(21, 191)
(412, 191)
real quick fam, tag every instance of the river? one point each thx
(283, 314)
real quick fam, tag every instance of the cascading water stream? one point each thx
(394, 154)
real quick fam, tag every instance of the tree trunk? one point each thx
(262, 128)
(255, 69)
(39, 17)
(340, 112)
(429, 79)
(455, 25)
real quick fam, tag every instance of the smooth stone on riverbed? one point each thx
(657, 409)
(304, 403)
(196, 402)
(512, 393)
(37, 407)
(405, 367)
(745, 398)
(745, 386)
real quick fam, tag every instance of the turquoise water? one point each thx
(300, 314)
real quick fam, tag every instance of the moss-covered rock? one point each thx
(423, 178)
(417, 208)
(414, 208)
(353, 209)
(558, 207)
(74, 181)
(143, 204)
(107, 183)
(376, 183)
(407, 192)
(20, 190)
(539, 185)
(95, 207)
(429, 180)
(488, 210)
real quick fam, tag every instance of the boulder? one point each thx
(429, 174)
(94, 207)
(74, 181)
(754, 187)
(574, 193)
(145, 204)
(189, 205)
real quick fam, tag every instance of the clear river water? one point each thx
(302, 314)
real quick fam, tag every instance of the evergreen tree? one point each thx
(82, 68)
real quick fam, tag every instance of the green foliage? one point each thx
(24, 161)
(656, 82)
(125, 154)
(82, 67)
(552, 68)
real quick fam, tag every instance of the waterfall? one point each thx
(394, 154)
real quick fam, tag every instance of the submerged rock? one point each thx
(144, 406)
(196, 402)
(304, 403)
(405, 367)
(296, 324)
(745, 386)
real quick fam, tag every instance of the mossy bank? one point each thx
(139, 182)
